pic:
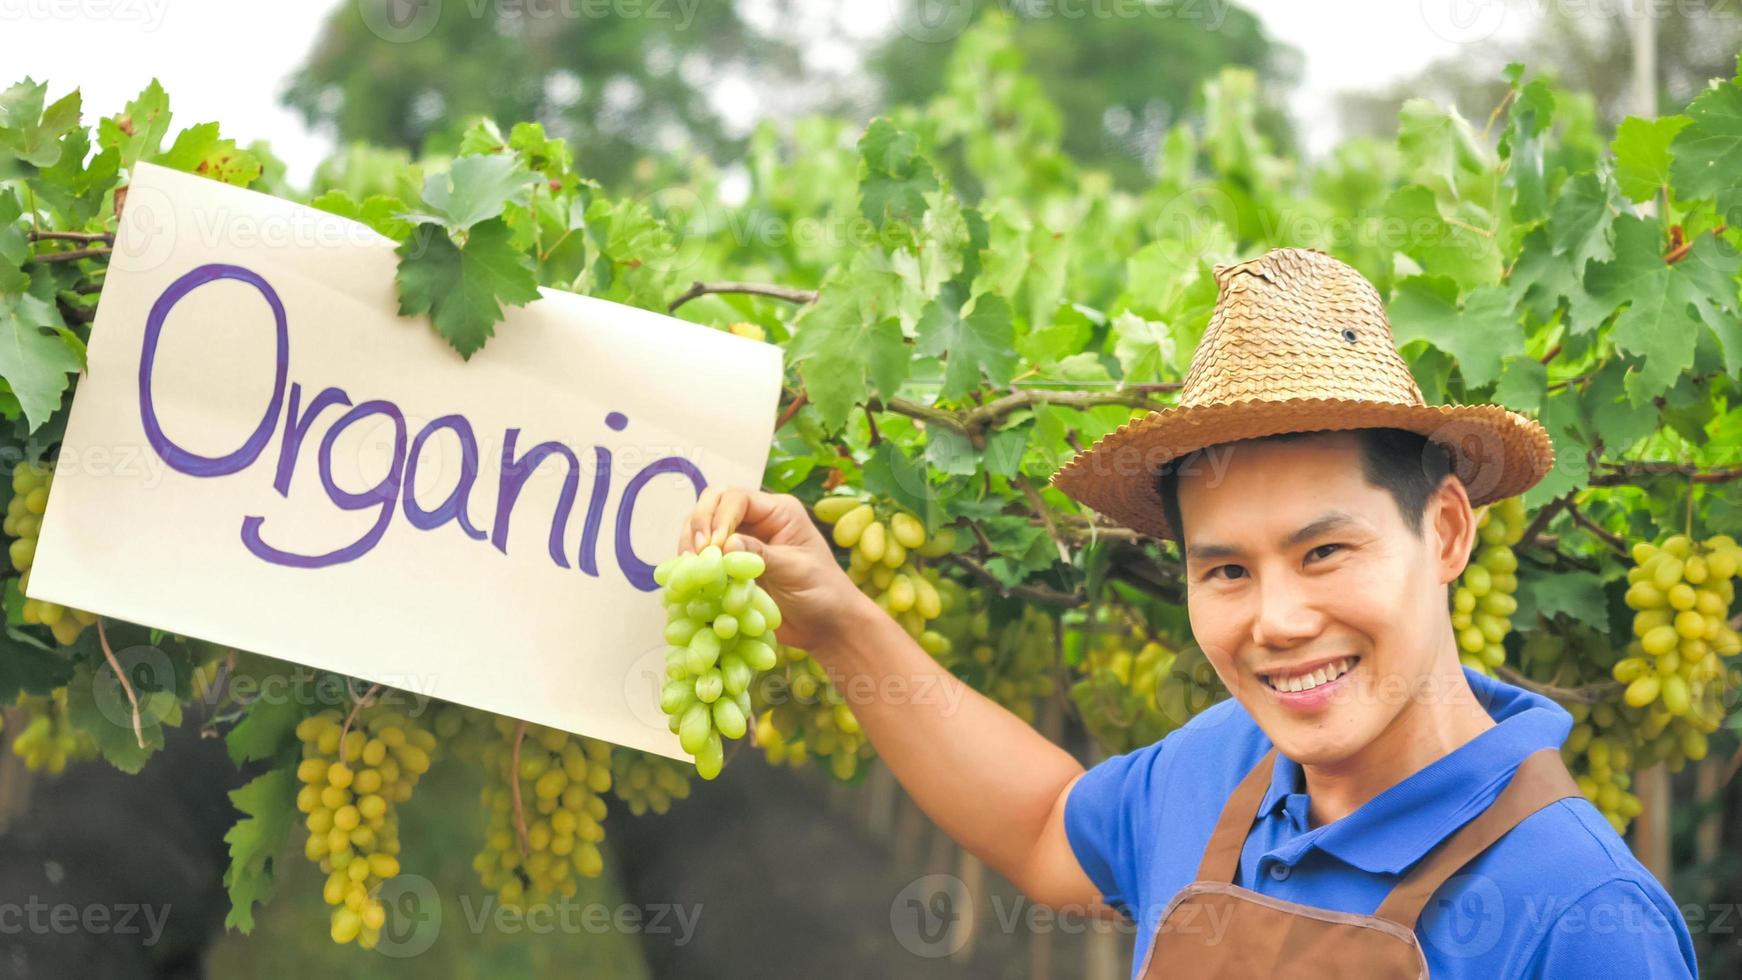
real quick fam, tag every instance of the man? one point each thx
(1363, 805)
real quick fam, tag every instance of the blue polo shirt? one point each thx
(1561, 895)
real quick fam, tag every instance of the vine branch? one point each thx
(126, 684)
(787, 293)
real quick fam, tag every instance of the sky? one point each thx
(227, 60)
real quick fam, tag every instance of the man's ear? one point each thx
(1450, 528)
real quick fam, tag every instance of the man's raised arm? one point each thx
(992, 783)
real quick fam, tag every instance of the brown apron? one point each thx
(1255, 935)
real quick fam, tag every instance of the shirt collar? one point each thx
(1396, 828)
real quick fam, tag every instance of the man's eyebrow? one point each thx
(1324, 523)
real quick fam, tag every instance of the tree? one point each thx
(1119, 77)
(408, 73)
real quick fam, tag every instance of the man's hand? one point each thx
(813, 593)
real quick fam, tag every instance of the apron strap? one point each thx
(1541, 779)
(1222, 856)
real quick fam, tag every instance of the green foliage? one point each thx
(963, 304)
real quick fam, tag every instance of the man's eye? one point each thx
(1322, 552)
(1235, 571)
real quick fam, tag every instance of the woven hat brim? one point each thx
(1495, 452)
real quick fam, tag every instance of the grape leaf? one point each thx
(268, 804)
(73, 189)
(1707, 150)
(1438, 144)
(1444, 248)
(1145, 348)
(1664, 303)
(262, 732)
(378, 211)
(890, 473)
(1523, 382)
(949, 451)
(1570, 434)
(200, 150)
(850, 337)
(137, 134)
(463, 288)
(980, 341)
(34, 363)
(14, 245)
(1521, 144)
(1577, 595)
(97, 705)
(475, 189)
(29, 132)
(1479, 336)
(1642, 154)
(894, 178)
(1581, 226)
(27, 666)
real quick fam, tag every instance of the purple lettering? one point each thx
(181, 459)
(454, 507)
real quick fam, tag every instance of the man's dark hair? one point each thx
(1407, 465)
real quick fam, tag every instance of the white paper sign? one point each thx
(263, 454)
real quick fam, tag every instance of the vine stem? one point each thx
(72, 236)
(77, 253)
(1586, 694)
(1608, 537)
(514, 785)
(787, 293)
(126, 685)
(792, 410)
(357, 704)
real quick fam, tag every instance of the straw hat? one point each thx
(1298, 342)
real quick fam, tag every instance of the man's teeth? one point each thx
(1306, 682)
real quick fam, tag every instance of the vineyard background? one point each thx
(969, 288)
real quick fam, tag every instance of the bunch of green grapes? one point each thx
(720, 625)
(23, 522)
(1011, 664)
(1117, 694)
(1681, 591)
(562, 780)
(353, 782)
(49, 741)
(883, 544)
(1483, 603)
(645, 781)
(800, 714)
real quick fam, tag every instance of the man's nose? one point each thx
(1287, 613)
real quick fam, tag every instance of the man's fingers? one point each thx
(727, 515)
(696, 529)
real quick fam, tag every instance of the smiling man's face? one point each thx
(1319, 607)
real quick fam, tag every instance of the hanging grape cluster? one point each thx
(49, 741)
(646, 782)
(1011, 664)
(31, 483)
(720, 625)
(884, 544)
(1117, 693)
(562, 779)
(800, 714)
(1483, 602)
(353, 783)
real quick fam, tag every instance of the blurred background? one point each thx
(797, 876)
